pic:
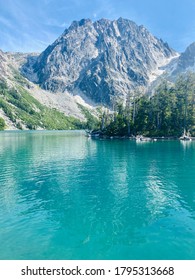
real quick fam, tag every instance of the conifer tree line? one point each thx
(169, 111)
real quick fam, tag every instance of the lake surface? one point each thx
(64, 196)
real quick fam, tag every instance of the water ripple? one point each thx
(63, 196)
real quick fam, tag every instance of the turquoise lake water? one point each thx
(64, 196)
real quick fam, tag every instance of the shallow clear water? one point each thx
(64, 196)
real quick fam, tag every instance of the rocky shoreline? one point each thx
(97, 135)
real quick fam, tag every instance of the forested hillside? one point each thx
(25, 112)
(166, 113)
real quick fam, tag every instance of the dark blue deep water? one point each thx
(64, 196)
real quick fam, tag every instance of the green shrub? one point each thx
(2, 124)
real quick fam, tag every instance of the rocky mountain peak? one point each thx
(187, 59)
(184, 63)
(101, 60)
(75, 24)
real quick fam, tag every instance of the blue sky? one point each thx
(31, 25)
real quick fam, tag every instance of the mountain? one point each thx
(5, 66)
(102, 60)
(23, 105)
(91, 63)
(184, 63)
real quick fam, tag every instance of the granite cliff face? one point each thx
(101, 60)
(5, 66)
(185, 62)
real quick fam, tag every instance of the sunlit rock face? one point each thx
(186, 61)
(101, 60)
